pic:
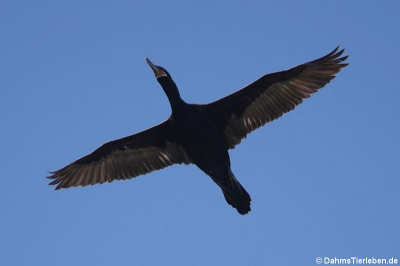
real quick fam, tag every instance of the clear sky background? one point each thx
(324, 178)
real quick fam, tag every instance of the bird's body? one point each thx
(202, 134)
(206, 147)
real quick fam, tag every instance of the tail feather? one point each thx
(235, 194)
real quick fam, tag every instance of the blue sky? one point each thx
(324, 178)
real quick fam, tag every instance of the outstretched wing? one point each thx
(124, 158)
(272, 95)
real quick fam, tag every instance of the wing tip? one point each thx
(336, 52)
(334, 58)
(52, 175)
(55, 180)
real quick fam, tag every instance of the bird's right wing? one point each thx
(124, 158)
(271, 96)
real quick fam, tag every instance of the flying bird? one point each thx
(202, 134)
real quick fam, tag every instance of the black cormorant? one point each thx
(202, 134)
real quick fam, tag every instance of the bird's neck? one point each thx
(172, 92)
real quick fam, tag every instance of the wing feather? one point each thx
(272, 95)
(124, 158)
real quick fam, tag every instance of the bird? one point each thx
(203, 134)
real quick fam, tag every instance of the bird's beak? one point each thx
(157, 71)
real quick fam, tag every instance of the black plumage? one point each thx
(203, 134)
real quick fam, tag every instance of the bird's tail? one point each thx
(235, 194)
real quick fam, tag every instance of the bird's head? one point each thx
(159, 72)
(168, 85)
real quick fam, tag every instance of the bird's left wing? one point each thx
(271, 96)
(124, 158)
